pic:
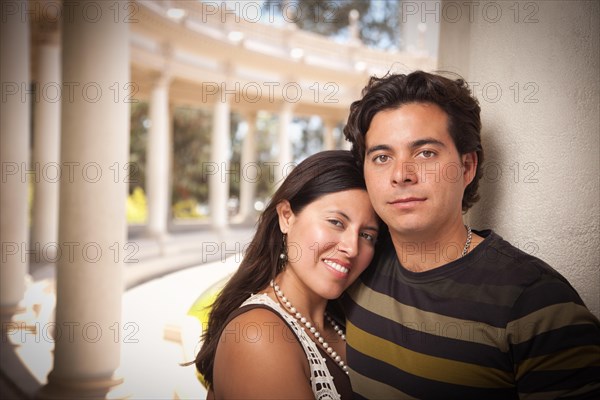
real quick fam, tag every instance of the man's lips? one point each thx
(407, 200)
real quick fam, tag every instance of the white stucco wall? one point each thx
(535, 69)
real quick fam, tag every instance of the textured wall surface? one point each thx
(535, 69)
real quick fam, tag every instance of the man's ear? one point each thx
(286, 215)
(469, 161)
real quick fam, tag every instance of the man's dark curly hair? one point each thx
(394, 90)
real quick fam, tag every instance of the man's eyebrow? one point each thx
(413, 145)
(377, 148)
(426, 141)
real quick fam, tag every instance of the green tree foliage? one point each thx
(267, 126)
(138, 145)
(379, 20)
(236, 155)
(191, 154)
(311, 140)
(191, 139)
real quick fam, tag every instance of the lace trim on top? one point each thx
(321, 379)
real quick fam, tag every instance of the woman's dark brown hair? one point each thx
(453, 96)
(321, 174)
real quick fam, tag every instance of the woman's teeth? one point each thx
(336, 266)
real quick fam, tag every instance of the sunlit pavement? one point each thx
(156, 334)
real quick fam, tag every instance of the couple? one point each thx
(429, 307)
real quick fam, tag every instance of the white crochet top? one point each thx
(321, 379)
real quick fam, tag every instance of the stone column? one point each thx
(46, 153)
(157, 175)
(284, 158)
(328, 140)
(218, 182)
(93, 227)
(249, 170)
(14, 155)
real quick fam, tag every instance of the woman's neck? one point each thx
(307, 303)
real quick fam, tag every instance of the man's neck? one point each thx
(424, 252)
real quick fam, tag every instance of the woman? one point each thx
(268, 334)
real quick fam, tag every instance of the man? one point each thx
(448, 312)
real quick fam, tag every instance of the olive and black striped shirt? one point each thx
(495, 324)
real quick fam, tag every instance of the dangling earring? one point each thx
(283, 256)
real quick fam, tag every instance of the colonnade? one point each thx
(89, 133)
(78, 167)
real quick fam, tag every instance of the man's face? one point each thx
(414, 174)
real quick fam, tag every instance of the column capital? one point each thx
(46, 24)
(165, 74)
(228, 70)
(331, 121)
(46, 37)
(286, 106)
(249, 115)
(162, 78)
(7, 312)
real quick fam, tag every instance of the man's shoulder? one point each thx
(501, 263)
(518, 260)
(493, 257)
(495, 263)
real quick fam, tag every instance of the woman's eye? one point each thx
(336, 222)
(368, 236)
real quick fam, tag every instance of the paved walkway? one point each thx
(156, 333)
(161, 335)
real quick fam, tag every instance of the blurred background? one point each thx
(140, 140)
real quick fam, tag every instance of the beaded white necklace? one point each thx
(319, 338)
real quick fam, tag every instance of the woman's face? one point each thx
(330, 242)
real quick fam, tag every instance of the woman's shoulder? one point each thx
(258, 350)
(259, 323)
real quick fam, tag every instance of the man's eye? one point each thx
(380, 158)
(427, 153)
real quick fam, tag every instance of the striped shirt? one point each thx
(495, 324)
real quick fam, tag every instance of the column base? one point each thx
(161, 239)
(222, 231)
(67, 389)
(17, 318)
(244, 219)
(7, 312)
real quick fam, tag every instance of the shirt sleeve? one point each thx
(554, 342)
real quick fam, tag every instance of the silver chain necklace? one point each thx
(468, 242)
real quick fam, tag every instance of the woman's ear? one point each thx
(286, 215)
